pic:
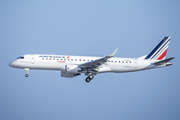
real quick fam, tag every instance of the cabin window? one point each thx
(42, 58)
(119, 61)
(87, 60)
(71, 59)
(54, 59)
(68, 59)
(129, 61)
(115, 61)
(50, 59)
(75, 59)
(64, 59)
(111, 61)
(57, 59)
(122, 61)
(84, 60)
(46, 58)
(79, 59)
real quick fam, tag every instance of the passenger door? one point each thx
(135, 63)
(32, 59)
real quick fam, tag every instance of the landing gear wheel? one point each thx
(27, 72)
(88, 79)
(91, 77)
(26, 75)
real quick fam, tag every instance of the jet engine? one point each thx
(71, 71)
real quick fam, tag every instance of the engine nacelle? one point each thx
(70, 71)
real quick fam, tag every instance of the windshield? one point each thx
(21, 57)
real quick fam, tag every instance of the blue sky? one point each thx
(91, 28)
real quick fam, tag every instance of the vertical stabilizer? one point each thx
(159, 52)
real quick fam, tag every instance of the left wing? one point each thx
(98, 62)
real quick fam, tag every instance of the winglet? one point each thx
(113, 53)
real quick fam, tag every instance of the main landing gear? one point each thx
(89, 78)
(27, 72)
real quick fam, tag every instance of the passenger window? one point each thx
(42, 58)
(119, 61)
(84, 60)
(54, 59)
(79, 59)
(75, 59)
(50, 59)
(71, 59)
(57, 59)
(87, 60)
(111, 61)
(115, 61)
(46, 58)
(68, 59)
(64, 59)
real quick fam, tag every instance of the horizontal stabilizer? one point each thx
(163, 61)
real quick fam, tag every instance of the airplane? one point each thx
(71, 66)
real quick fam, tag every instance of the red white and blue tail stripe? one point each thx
(159, 52)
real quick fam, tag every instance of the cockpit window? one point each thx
(21, 57)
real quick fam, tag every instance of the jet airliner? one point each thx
(71, 66)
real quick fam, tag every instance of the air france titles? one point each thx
(62, 58)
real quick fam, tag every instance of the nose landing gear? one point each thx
(89, 78)
(27, 72)
(26, 75)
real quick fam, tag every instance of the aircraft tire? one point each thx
(88, 79)
(26, 75)
(91, 77)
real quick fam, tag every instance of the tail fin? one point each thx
(159, 52)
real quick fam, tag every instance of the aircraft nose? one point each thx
(11, 64)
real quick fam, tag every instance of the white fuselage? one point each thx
(71, 66)
(58, 62)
